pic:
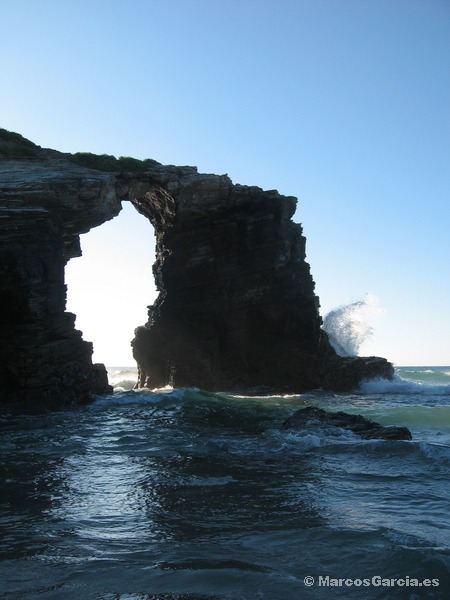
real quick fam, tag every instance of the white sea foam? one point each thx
(306, 441)
(144, 396)
(403, 386)
(122, 378)
(351, 325)
(309, 438)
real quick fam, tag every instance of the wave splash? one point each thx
(350, 325)
(122, 378)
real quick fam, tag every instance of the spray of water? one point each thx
(351, 325)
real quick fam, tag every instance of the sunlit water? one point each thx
(187, 495)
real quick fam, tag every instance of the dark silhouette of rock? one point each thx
(44, 362)
(236, 308)
(365, 428)
(345, 373)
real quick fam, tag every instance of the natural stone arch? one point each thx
(236, 306)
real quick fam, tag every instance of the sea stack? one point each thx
(236, 308)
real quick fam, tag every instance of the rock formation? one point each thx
(365, 428)
(45, 202)
(236, 306)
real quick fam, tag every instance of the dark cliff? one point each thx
(236, 306)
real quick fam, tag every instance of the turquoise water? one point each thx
(181, 494)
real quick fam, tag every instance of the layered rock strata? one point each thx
(45, 202)
(236, 308)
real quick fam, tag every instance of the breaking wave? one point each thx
(122, 378)
(350, 325)
(403, 386)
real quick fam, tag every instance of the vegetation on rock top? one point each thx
(14, 145)
(107, 162)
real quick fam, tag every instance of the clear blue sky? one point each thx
(342, 103)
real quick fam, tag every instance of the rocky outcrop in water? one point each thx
(365, 428)
(236, 308)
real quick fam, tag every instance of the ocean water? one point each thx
(183, 494)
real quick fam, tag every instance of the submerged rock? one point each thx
(236, 308)
(365, 428)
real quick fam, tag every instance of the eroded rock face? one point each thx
(365, 428)
(44, 204)
(236, 308)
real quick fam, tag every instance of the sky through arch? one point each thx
(111, 285)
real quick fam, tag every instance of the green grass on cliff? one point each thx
(13, 145)
(107, 162)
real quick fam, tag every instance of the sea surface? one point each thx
(185, 495)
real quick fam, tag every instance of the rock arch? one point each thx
(236, 306)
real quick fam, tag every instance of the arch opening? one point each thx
(111, 285)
